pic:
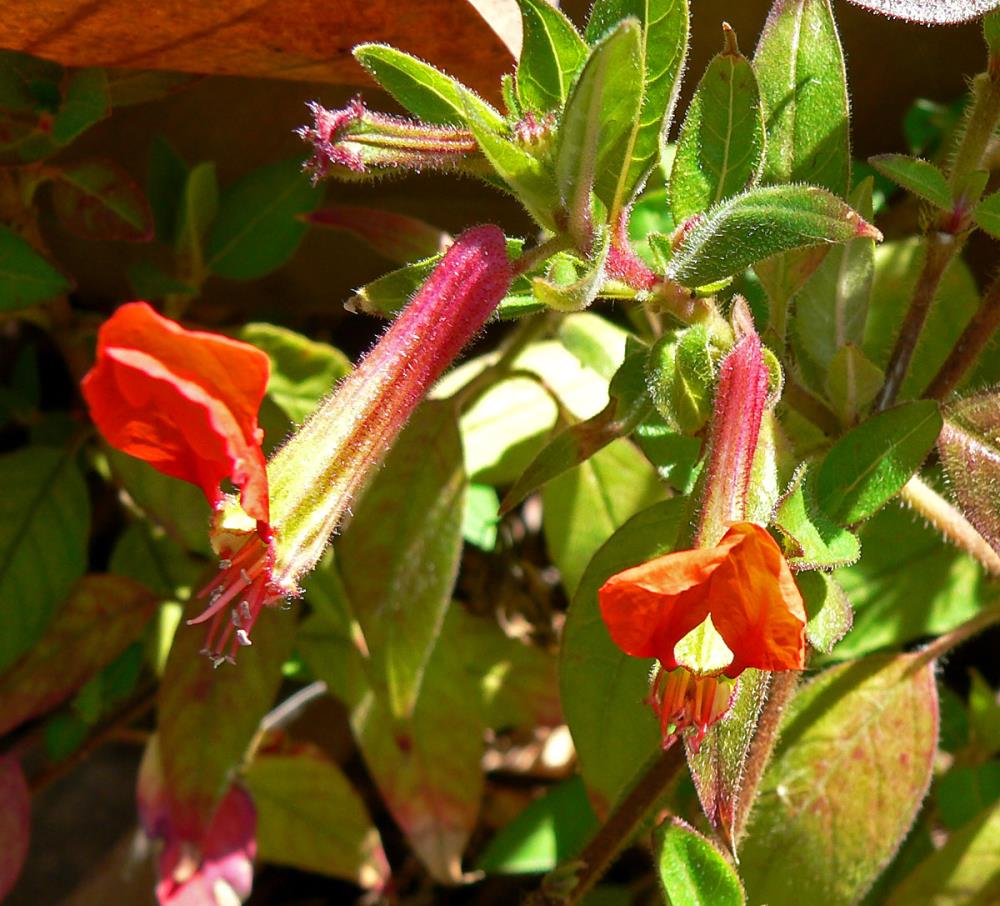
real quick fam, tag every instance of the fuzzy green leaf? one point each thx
(423, 90)
(813, 539)
(551, 55)
(760, 223)
(692, 870)
(829, 612)
(987, 214)
(920, 177)
(721, 145)
(803, 86)
(869, 465)
(859, 734)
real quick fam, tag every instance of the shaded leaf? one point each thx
(309, 817)
(207, 717)
(550, 830)
(852, 383)
(26, 278)
(859, 734)
(399, 556)
(303, 371)
(721, 144)
(803, 87)
(965, 791)
(101, 617)
(398, 237)
(759, 223)
(987, 214)
(99, 200)
(258, 227)
(426, 92)
(603, 688)
(829, 612)
(44, 524)
(15, 823)
(814, 540)
(198, 209)
(551, 54)
(918, 176)
(692, 871)
(870, 464)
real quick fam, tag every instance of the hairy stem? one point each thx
(950, 523)
(980, 125)
(941, 248)
(970, 345)
(942, 645)
(616, 832)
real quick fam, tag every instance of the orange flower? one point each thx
(184, 401)
(707, 614)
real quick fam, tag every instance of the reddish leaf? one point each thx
(99, 200)
(101, 617)
(15, 823)
(207, 717)
(399, 238)
(307, 40)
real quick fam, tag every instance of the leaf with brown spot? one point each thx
(99, 200)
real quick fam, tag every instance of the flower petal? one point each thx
(756, 605)
(184, 401)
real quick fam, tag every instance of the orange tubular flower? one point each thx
(713, 612)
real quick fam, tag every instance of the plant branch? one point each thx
(615, 833)
(941, 248)
(969, 346)
(950, 523)
(539, 253)
(942, 645)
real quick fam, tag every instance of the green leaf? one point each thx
(759, 223)
(99, 200)
(577, 443)
(26, 278)
(803, 86)
(681, 376)
(813, 539)
(527, 177)
(908, 585)
(721, 145)
(831, 307)
(570, 284)
(984, 714)
(165, 184)
(603, 688)
(663, 45)
(207, 717)
(987, 214)
(481, 516)
(692, 870)
(309, 817)
(258, 227)
(44, 524)
(852, 383)
(146, 554)
(101, 617)
(965, 791)
(427, 767)
(897, 266)
(965, 871)
(551, 830)
(829, 612)
(585, 505)
(86, 100)
(303, 371)
(869, 465)
(198, 210)
(594, 341)
(398, 237)
(859, 734)
(399, 556)
(918, 176)
(552, 53)
(603, 106)
(426, 92)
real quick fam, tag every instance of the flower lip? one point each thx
(743, 584)
(184, 401)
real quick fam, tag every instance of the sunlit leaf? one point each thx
(551, 54)
(692, 870)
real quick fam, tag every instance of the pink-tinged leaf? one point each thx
(851, 768)
(101, 618)
(427, 767)
(99, 200)
(15, 823)
(398, 237)
(213, 867)
(207, 717)
(930, 12)
(969, 445)
(310, 817)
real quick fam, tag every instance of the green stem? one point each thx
(950, 523)
(970, 345)
(980, 125)
(541, 252)
(615, 833)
